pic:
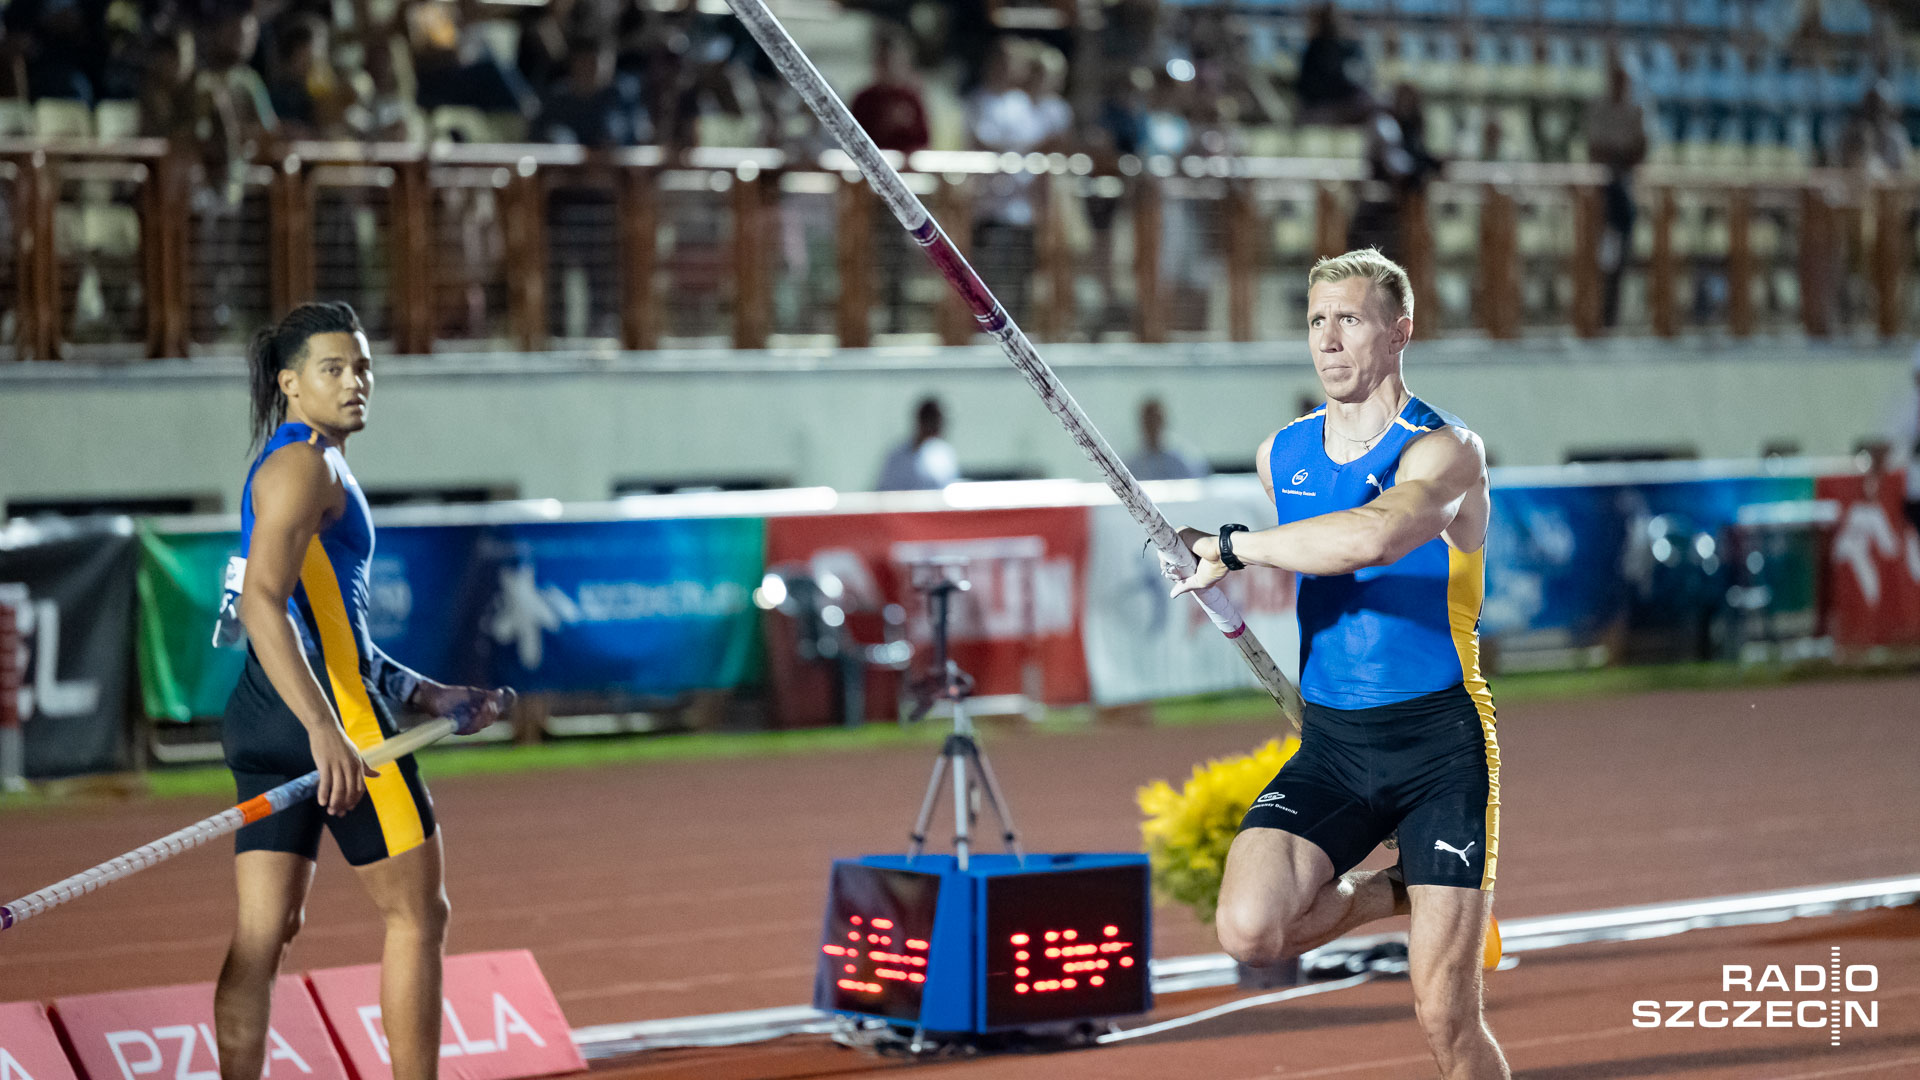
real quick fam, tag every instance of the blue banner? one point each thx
(1616, 569)
(646, 608)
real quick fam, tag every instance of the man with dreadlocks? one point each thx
(316, 692)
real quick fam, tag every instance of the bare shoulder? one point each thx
(1451, 450)
(295, 476)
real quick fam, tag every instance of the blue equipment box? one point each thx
(1005, 945)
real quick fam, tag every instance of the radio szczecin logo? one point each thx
(1808, 996)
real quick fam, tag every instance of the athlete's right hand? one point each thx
(343, 773)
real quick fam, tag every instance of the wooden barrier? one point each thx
(1825, 202)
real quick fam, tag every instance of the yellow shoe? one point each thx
(1490, 952)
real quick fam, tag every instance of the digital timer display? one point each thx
(1062, 946)
(877, 950)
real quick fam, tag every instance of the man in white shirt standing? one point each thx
(925, 462)
(1157, 459)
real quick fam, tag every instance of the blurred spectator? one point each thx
(891, 107)
(62, 43)
(1115, 131)
(1045, 78)
(1397, 156)
(925, 462)
(167, 97)
(232, 114)
(452, 67)
(1002, 117)
(591, 106)
(1874, 141)
(1617, 139)
(1157, 459)
(1333, 74)
(309, 97)
(895, 116)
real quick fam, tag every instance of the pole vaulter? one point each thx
(813, 89)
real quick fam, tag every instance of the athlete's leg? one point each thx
(273, 895)
(410, 891)
(1279, 897)
(1443, 952)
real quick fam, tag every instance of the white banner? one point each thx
(1143, 645)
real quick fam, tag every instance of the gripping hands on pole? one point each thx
(227, 821)
(813, 89)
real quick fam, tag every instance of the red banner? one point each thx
(1873, 568)
(1016, 630)
(499, 1019)
(29, 1050)
(166, 1033)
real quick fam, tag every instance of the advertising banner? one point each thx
(499, 1019)
(29, 1049)
(1016, 629)
(646, 607)
(66, 612)
(181, 674)
(652, 607)
(167, 1032)
(1580, 574)
(1873, 568)
(1142, 644)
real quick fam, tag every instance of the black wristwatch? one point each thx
(1227, 558)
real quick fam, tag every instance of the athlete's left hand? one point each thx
(469, 707)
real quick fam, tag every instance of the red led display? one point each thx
(1090, 928)
(874, 948)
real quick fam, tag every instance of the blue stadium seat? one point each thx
(1426, 8)
(1846, 17)
(1497, 9)
(1640, 12)
(1365, 7)
(1706, 14)
(1910, 90)
(1589, 11)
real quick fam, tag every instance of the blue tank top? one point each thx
(1383, 634)
(329, 605)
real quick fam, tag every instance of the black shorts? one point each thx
(1427, 767)
(266, 746)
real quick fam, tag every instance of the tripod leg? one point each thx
(962, 786)
(925, 819)
(996, 800)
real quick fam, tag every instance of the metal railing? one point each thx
(124, 250)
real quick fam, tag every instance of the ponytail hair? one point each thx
(283, 345)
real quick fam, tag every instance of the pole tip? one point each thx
(6, 917)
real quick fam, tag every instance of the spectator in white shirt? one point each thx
(925, 462)
(1157, 459)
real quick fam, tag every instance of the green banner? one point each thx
(181, 674)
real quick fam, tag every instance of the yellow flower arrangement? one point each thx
(1187, 832)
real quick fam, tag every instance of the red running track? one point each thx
(667, 889)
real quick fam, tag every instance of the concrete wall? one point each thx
(572, 426)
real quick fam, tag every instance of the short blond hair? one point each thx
(1389, 277)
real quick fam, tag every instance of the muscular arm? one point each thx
(293, 493)
(1436, 474)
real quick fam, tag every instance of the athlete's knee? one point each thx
(425, 915)
(1252, 932)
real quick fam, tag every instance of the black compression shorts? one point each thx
(266, 746)
(1427, 767)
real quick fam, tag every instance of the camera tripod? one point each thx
(960, 754)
